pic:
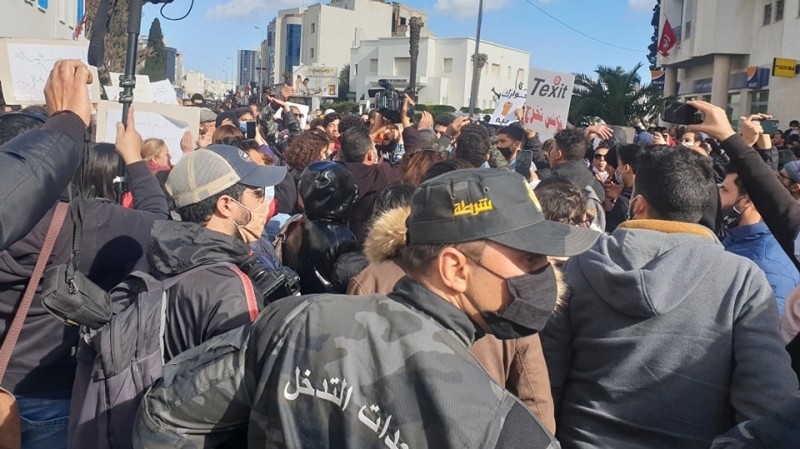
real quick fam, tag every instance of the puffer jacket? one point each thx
(518, 365)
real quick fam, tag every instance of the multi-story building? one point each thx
(726, 51)
(178, 68)
(194, 83)
(246, 71)
(444, 69)
(172, 56)
(41, 19)
(322, 35)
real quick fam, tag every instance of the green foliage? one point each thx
(155, 65)
(615, 96)
(344, 82)
(653, 47)
(437, 109)
(342, 107)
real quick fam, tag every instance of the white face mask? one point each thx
(687, 143)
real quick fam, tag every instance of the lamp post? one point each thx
(261, 65)
(233, 76)
(475, 66)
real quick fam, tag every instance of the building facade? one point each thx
(172, 56)
(323, 35)
(725, 54)
(444, 69)
(246, 72)
(41, 19)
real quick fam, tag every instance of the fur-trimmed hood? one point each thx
(388, 236)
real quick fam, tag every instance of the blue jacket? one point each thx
(757, 243)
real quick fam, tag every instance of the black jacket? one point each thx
(114, 243)
(371, 179)
(209, 302)
(776, 205)
(577, 173)
(35, 168)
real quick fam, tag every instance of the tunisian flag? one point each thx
(668, 39)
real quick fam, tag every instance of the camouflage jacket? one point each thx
(333, 371)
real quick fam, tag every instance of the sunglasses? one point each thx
(600, 157)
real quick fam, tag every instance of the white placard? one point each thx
(547, 104)
(165, 122)
(164, 93)
(25, 66)
(303, 109)
(505, 112)
(142, 93)
(316, 81)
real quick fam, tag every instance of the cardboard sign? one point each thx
(547, 104)
(142, 93)
(25, 66)
(158, 121)
(164, 93)
(505, 112)
(300, 108)
(316, 81)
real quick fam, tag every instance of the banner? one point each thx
(784, 67)
(505, 112)
(25, 66)
(547, 104)
(316, 81)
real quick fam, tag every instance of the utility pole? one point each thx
(475, 66)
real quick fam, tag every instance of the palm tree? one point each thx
(416, 24)
(615, 96)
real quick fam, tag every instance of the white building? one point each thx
(194, 82)
(323, 35)
(444, 69)
(218, 88)
(726, 51)
(41, 19)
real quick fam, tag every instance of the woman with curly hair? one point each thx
(305, 149)
(415, 164)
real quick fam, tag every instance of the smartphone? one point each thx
(770, 126)
(524, 162)
(251, 130)
(681, 113)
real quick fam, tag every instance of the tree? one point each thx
(415, 24)
(615, 96)
(652, 57)
(155, 66)
(344, 82)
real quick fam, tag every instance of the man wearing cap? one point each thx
(220, 195)
(790, 178)
(333, 371)
(667, 339)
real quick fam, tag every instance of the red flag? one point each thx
(79, 28)
(668, 39)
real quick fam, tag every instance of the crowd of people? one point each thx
(384, 280)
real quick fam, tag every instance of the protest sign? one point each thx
(159, 121)
(163, 92)
(142, 93)
(316, 81)
(296, 108)
(25, 66)
(505, 112)
(547, 104)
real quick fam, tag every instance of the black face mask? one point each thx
(533, 297)
(506, 152)
(731, 217)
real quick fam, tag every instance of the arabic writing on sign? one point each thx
(480, 207)
(508, 103)
(151, 125)
(537, 115)
(30, 66)
(341, 397)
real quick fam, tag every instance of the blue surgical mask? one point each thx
(243, 127)
(618, 178)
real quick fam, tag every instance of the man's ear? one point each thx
(452, 268)
(225, 206)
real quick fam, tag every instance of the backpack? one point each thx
(120, 361)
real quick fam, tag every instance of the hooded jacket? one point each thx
(518, 364)
(206, 303)
(114, 243)
(664, 342)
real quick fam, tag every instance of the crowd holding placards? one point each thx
(346, 281)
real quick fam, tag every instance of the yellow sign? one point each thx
(480, 207)
(784, 67)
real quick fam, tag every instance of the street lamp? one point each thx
(232, 74)
(261, 66)
(473, 100)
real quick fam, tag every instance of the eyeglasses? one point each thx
(600, 157)
(781, 176)
(259, 192)
(581, 223)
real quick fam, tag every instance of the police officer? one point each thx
(395, 371)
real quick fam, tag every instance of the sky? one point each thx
(215, 29)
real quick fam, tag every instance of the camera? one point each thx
(390, 102)
(272, 283)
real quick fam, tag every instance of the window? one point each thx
(313, 28)
(734, 108)
(402, 67)
(496, 70)
(767, 14)
(688, 31)
(373, 66)
(509, 72)
(43, 4)
(403, 21)
(355, 69)
(447, 66)
(759, 102)
(779, 6)
(311, 53)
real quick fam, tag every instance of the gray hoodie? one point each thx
(666, 342)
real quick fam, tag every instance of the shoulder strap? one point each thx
(27, 298)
